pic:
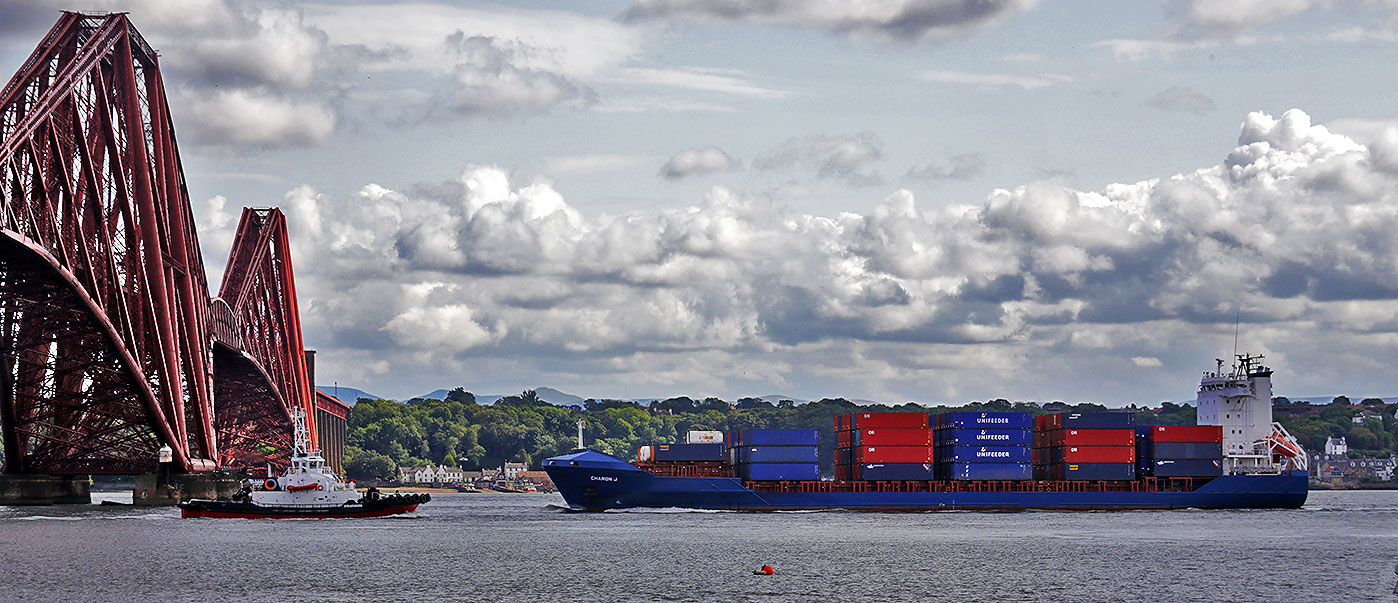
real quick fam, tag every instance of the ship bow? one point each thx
(593, 481)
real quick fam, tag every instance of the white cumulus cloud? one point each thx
(695, 162)
(901, 20)
(1293, 231)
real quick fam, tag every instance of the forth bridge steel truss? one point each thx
(259, 362)
(109, 343)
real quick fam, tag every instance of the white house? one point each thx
(512, 470)
(441, 474)
(1365, 415)
(1336, 446)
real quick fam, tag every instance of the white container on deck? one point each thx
(704, 437)
(643, 455)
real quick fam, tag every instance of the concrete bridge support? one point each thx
(154, 490)
(16, 489)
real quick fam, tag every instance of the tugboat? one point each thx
(308, 488)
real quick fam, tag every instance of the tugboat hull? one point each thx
(390, 505)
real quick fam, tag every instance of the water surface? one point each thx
(1341, 547)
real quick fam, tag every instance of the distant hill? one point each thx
(553, 396)
(348, 395)
(775, 398)
(547, 394)
(1323, 400)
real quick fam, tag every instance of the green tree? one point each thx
(1362, 438)
(461, 395)
(750, 403)
(368, 464)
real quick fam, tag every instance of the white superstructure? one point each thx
(308, 481)
(1240, 401)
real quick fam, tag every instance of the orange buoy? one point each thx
(765, 571)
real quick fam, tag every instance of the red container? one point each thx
(875, 420)
(1093, 437)
(1094, 454)
(841, 422)
(1041, 422)
(893, 437)
(884, 437)
(1186, 433)
(894, 454)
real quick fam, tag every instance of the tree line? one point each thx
(1313, 424)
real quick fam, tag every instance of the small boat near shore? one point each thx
(308, 489)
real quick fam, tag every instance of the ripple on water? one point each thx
(524, 548)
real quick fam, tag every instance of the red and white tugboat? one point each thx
(308, 489)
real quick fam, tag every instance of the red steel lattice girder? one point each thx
(109, 343)
(260, 293)
(104, 288)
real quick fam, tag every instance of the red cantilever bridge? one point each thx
(110, 344)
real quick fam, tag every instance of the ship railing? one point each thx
(1143, 484)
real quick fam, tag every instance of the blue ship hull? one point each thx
(592, 481)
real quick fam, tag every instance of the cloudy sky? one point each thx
(929, 200)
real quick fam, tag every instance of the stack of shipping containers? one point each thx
(662, 453)
(698, 446)
(984, 446)
(883, 446)
(1085, 446)
(775, 454)
(1180, 450)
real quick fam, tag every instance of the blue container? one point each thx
(778, 454)
(984, 437)
(688, 452)
(1186, 450)
(779, 471)
(1187, 468)
(978, 471)
(897, 471)
(985, 454)
(1096, 420)
(778, 437)
(1093, 471)
(984, 420)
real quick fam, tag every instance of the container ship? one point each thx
(1235, 457)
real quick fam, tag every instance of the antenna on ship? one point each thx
(1237, 318)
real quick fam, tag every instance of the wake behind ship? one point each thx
(1236, 457)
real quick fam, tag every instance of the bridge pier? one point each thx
(155, 490)
(20, 489)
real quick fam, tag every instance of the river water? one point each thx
(501, 547)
